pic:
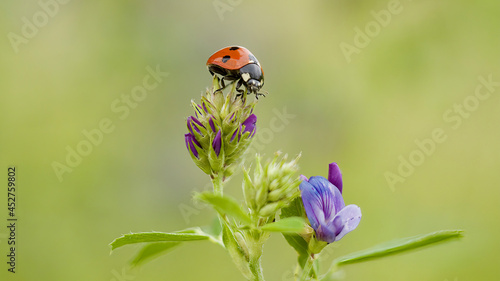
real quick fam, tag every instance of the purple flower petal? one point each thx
(191, 126)
(197, 121)
(212, 124)
(327, 233)
(304, 178)
(333, 201)
(335, 176)
(349, 218)
(249, 124)
(198, 111)
(237, 132)
(190, 144)
(312, 204)
(217, 143)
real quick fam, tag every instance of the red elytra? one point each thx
(232, 58)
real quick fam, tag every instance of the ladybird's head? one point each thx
(252, 76)
(253, 85)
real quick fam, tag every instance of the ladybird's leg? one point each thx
(222, 84)
(240, 91)
(220, 80)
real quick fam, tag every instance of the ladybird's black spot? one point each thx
(225, 59)
(234, 48)
(252, 58)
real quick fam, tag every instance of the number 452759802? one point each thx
(11, 189)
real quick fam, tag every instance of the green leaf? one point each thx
(142, 237)
(299, 244)
(292, 224)
(225, 205)
(153, 250)
(295, 209)
(399, 246)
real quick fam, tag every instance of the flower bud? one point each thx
(191, 144)
(217, 143)
(270, 209)
(249, 191)
(274, 185)
(221, 130)
(211, 122)
(249, 125)
(243, 244)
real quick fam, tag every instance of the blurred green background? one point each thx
(363, 110)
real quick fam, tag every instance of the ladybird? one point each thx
(236, 63)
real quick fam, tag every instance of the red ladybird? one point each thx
(236, 63)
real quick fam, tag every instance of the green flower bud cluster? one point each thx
(220, 131)
(273, 187)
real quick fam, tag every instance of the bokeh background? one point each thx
(364, 111)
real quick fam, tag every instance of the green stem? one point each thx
(217, 182)
(255, 259)
(256, 268)
(306, 272)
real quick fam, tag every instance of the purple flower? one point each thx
(212, 124)
(325, 208)
(249, 124)
(335, 176)
(217, 143)
(190, 144)
(198, 112)
(237, 132)
(192, 127)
